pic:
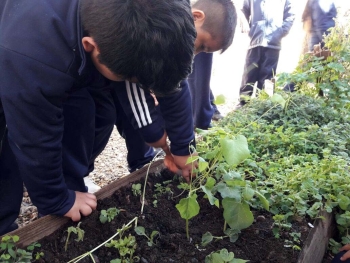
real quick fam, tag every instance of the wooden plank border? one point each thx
(48, 224)
(317, 240)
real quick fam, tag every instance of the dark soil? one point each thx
(257, 243)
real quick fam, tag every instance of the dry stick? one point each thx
(146, 178)
(77, 259)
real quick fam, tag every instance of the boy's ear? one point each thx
(89, 44)
(198, 16)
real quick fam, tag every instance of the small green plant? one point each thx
(109, 214)
(126, 247)
(223, 256)
(279, 224)
(136, 189)
(140, 230)
(9, 253)
(76, 230)
(155, 203)
(230, 233)
(162, 189)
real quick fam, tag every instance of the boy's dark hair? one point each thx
(220, 19)
(151, 40)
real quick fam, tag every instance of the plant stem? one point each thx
(146, 178)
(187, 232)
(77, 259)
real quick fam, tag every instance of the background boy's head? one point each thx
(148, 40)
(215, 22)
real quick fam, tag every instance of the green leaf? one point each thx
(212, 199)
(192, 159)
(277, 98)
(235, 151)
(263, 200)
(229, 192)
(210, 183)
(103, 219)
(15, 238)
(248, 193)
(225, 255)
(206, 239)
(188, 207)
(140, 230)
(232, 234)
(344, 202)
(237, 215)
(202, 164)
(214, 258)
(12, 253)
(220, 99)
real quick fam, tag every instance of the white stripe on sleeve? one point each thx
(128, 90)
(148, 115)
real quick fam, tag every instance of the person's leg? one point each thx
(316, 37)
(199, 85)
(250, 73)
(268, 65)
(217, 115)
(78, 138)
(139, 153)
(105, 115)
(11, 189)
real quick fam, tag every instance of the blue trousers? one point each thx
(337, 257)
(89, 117)
(201, 94)
(261, 64)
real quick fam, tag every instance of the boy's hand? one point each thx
(347, 254)
(84, 204)
(175, 163)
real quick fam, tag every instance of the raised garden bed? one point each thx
(256, 243)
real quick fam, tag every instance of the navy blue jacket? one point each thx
(269, 20)
(42, 61)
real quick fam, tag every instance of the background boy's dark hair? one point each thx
(152, 40)
(220, 19)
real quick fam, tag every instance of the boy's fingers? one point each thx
(346, 247)
(345, 256)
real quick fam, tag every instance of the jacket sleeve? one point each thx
(174, 114)
(177, 114)
(246, 9)
(288, 18)
(140, 109)
(32, 95)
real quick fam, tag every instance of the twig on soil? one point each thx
(77, 259)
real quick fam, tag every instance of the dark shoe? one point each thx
(217, 116)
(239, 105)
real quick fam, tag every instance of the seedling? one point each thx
(109, 214)
(140, 230)
(230, 233)
(126, 247)
(155, 203)
(136, 189)
(76, 230)
(9, 253)
(279, 224)
(162, 189)
(223, 256)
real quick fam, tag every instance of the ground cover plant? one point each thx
(299, 156)
(327, 71)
